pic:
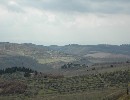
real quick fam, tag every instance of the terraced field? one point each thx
(105, 86)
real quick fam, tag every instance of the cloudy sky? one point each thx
(63, 22)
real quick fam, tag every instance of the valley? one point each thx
(70, 72)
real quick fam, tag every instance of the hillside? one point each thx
(30, 55)
(86, 49)
(50, 58)
(72, 72)
(40, 86)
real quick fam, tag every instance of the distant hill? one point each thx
(29, 55)
(85, 49)
(48, 58)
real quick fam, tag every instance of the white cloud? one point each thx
(12, 3)
(46, 26)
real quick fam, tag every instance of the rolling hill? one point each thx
(48, 58)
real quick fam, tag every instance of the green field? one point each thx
(55, 59)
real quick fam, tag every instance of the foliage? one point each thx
(14, 69)
(45, 86)
(12, 87)
(73, 66)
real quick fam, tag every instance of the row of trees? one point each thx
(73, 66)
(15, 69)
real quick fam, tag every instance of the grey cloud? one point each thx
(93, 6)
(13, 7)
(57, 5)
(81, 6)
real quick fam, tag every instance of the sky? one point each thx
(62, 22)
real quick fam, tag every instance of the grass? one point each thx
(99, 69)
(86, 87)
(125, 97)
(79, 88)
(55, 59)
(89, 95)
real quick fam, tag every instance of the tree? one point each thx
(26, 74)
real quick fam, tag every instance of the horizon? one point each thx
(63, 45)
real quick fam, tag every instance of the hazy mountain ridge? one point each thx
(47, 57)
(29, 55)
(84, 49)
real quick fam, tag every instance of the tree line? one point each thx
(73, 66)
(11, 70)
